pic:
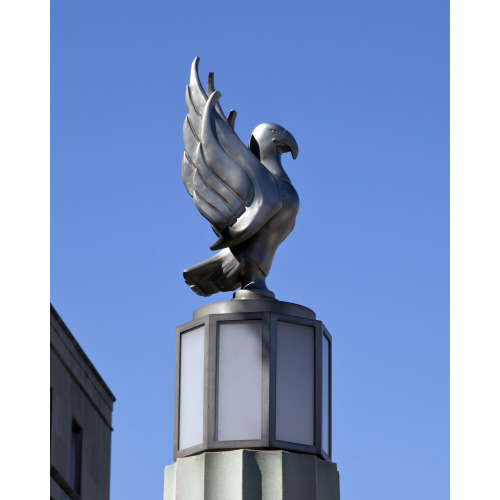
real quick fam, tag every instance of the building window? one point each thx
(51, 416)
(76, 458)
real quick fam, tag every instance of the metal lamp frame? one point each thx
(268, 438)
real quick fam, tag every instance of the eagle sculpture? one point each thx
(243, 192)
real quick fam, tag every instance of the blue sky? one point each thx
(364, 88)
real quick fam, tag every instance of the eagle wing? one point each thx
(229, 185)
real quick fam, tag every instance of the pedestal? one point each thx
(251, 475)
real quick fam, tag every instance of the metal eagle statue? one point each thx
(242, 191)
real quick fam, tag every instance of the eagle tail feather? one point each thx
(220, 273)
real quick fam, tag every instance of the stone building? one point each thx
(80, 420)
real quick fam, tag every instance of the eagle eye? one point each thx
(274, 131)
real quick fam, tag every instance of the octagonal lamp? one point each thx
(254, 375)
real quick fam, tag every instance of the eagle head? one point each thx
(270, 139)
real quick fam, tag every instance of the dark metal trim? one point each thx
(266, 367)
(327, 455)
(177, 389)
(272, 380)
(208, 400)
(317, 388)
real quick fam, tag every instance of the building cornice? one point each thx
(76, 345)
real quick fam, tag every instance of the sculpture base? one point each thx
(251, 475)
(254, 305)
(253, 295)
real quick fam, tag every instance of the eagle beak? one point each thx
(288, 141)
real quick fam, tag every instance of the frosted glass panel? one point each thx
(295, 383)
(191, 388)
(239, 381)
(325, 397)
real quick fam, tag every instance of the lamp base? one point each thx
(253, 294)
(251, 475)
